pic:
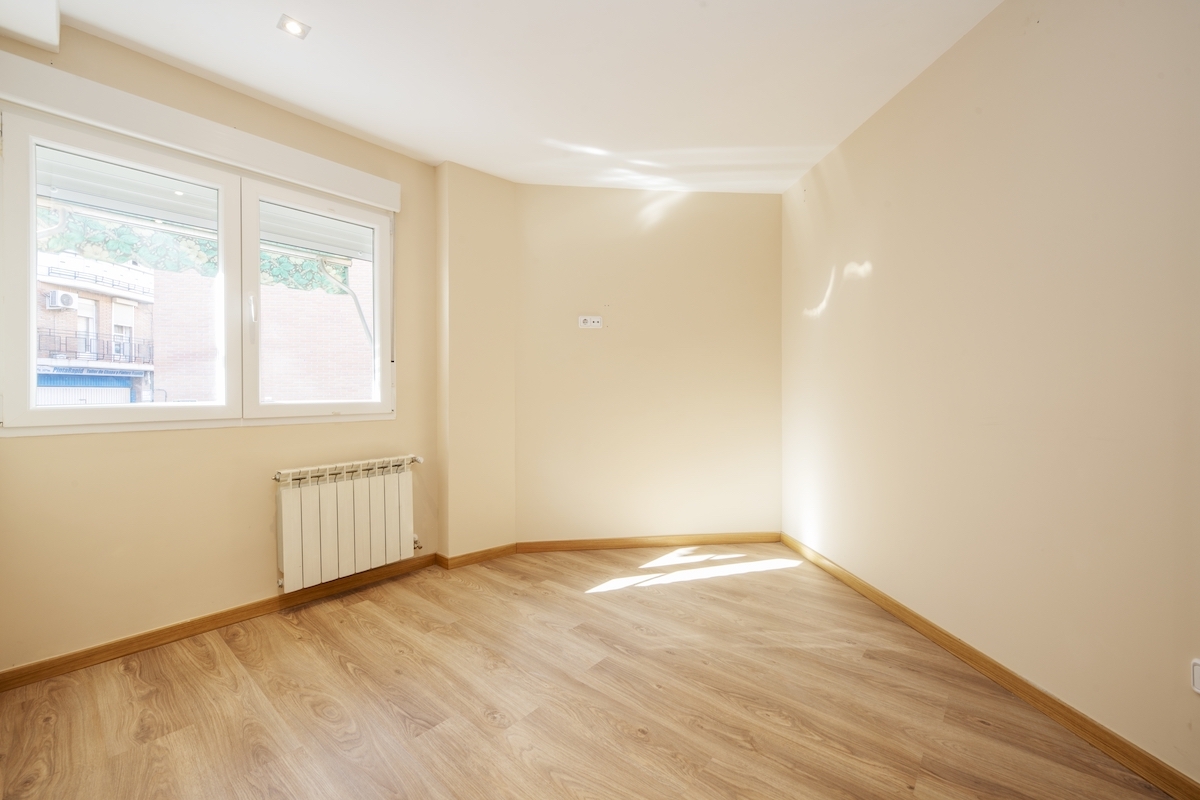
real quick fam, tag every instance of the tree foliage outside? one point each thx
(67, 230)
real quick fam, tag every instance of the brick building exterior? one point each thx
(94, 331)
(313, 344)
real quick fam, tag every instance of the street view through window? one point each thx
(129, 300)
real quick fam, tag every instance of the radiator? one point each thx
(339, 519)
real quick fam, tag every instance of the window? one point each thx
(314, 279)
(122, 341)
(314, 303)
(161, 288)
(84, 346)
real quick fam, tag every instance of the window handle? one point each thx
(253, 311)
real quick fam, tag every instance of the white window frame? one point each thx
(19, 333)
(254, 191)
(238, 245)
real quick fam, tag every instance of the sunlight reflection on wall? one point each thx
(852, 271)
(660, 203)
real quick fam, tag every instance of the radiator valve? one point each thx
(416, 543)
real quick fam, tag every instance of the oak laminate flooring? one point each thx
(318, 697)
(508, 679)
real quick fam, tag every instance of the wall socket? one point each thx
(591, 322)
(1196, 674)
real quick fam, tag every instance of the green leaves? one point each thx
(121, 243)
(296, 272)
(68, 230)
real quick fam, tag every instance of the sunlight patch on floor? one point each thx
(702, 573)
(687, 555)
(621, 583)
(684, 555)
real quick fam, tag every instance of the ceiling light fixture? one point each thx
(293, 26)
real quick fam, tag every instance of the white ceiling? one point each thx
(32, 21)
(714, 95)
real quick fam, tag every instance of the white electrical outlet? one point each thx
(591, 322)
(1196, 674)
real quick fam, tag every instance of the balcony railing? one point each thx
(91, 277)
(88, 347)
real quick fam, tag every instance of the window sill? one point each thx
(178, 425)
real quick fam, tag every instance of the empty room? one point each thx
(714, 399)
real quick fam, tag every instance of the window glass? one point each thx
(317, 291)
(128, 300)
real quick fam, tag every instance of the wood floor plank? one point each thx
(144, 773)
(394, 695)
(579, 718)
(469, 761)
(44, 736)
(360, 751)
(722, 671)
(765, 739)
(239, 731)
(606, 772)
(140, 698)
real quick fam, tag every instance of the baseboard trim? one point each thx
(676, 540)
(466, 559)
(1148, 766)
(680, 540)
(60, 665)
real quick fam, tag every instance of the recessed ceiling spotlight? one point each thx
(293, 26)
(179, 193)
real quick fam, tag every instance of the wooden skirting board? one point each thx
(1150, 767)
(681, 540)
(453, 562)
(676, 540)
(60, 665)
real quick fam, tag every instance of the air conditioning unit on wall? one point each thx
(61, 300)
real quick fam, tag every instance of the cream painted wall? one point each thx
(478, 262)
(107, 535)
(666, 420)
(998, 426)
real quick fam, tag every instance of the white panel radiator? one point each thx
(339, 519)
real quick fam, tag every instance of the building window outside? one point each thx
(85, 327)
